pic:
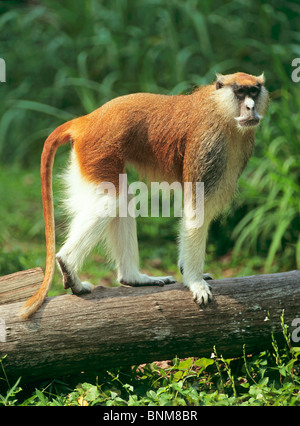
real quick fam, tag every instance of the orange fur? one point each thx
(241, 79)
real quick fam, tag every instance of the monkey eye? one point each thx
(240, 92)
(254, 91)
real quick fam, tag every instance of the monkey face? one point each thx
(245, 97)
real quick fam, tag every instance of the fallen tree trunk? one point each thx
(19, 286)
(127, 326)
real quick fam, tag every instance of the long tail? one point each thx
(59, 136)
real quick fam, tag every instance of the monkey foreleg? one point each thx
(191, 262)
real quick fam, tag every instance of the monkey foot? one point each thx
(84, 287)
(77, 287)
(148, 281)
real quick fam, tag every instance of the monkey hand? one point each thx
(201, 292)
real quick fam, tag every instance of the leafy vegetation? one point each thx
(64, 60)
(268, 379)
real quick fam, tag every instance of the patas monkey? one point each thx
(206, 136)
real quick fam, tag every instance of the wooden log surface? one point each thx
(126, 326)
(20, 286)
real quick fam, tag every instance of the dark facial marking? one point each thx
(242, 91)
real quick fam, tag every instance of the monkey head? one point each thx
(242, 97)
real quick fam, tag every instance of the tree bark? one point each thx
(127, 326)
(20, 286)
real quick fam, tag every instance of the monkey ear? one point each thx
(219, 82)
(261, 78)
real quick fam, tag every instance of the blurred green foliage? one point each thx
(64, 59)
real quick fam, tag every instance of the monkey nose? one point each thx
(249, 104)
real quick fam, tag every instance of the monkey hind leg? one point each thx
(86, 230)
(90, 210)
(123, 246)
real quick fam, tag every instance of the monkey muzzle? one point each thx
(249, 116)
(248, 121)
